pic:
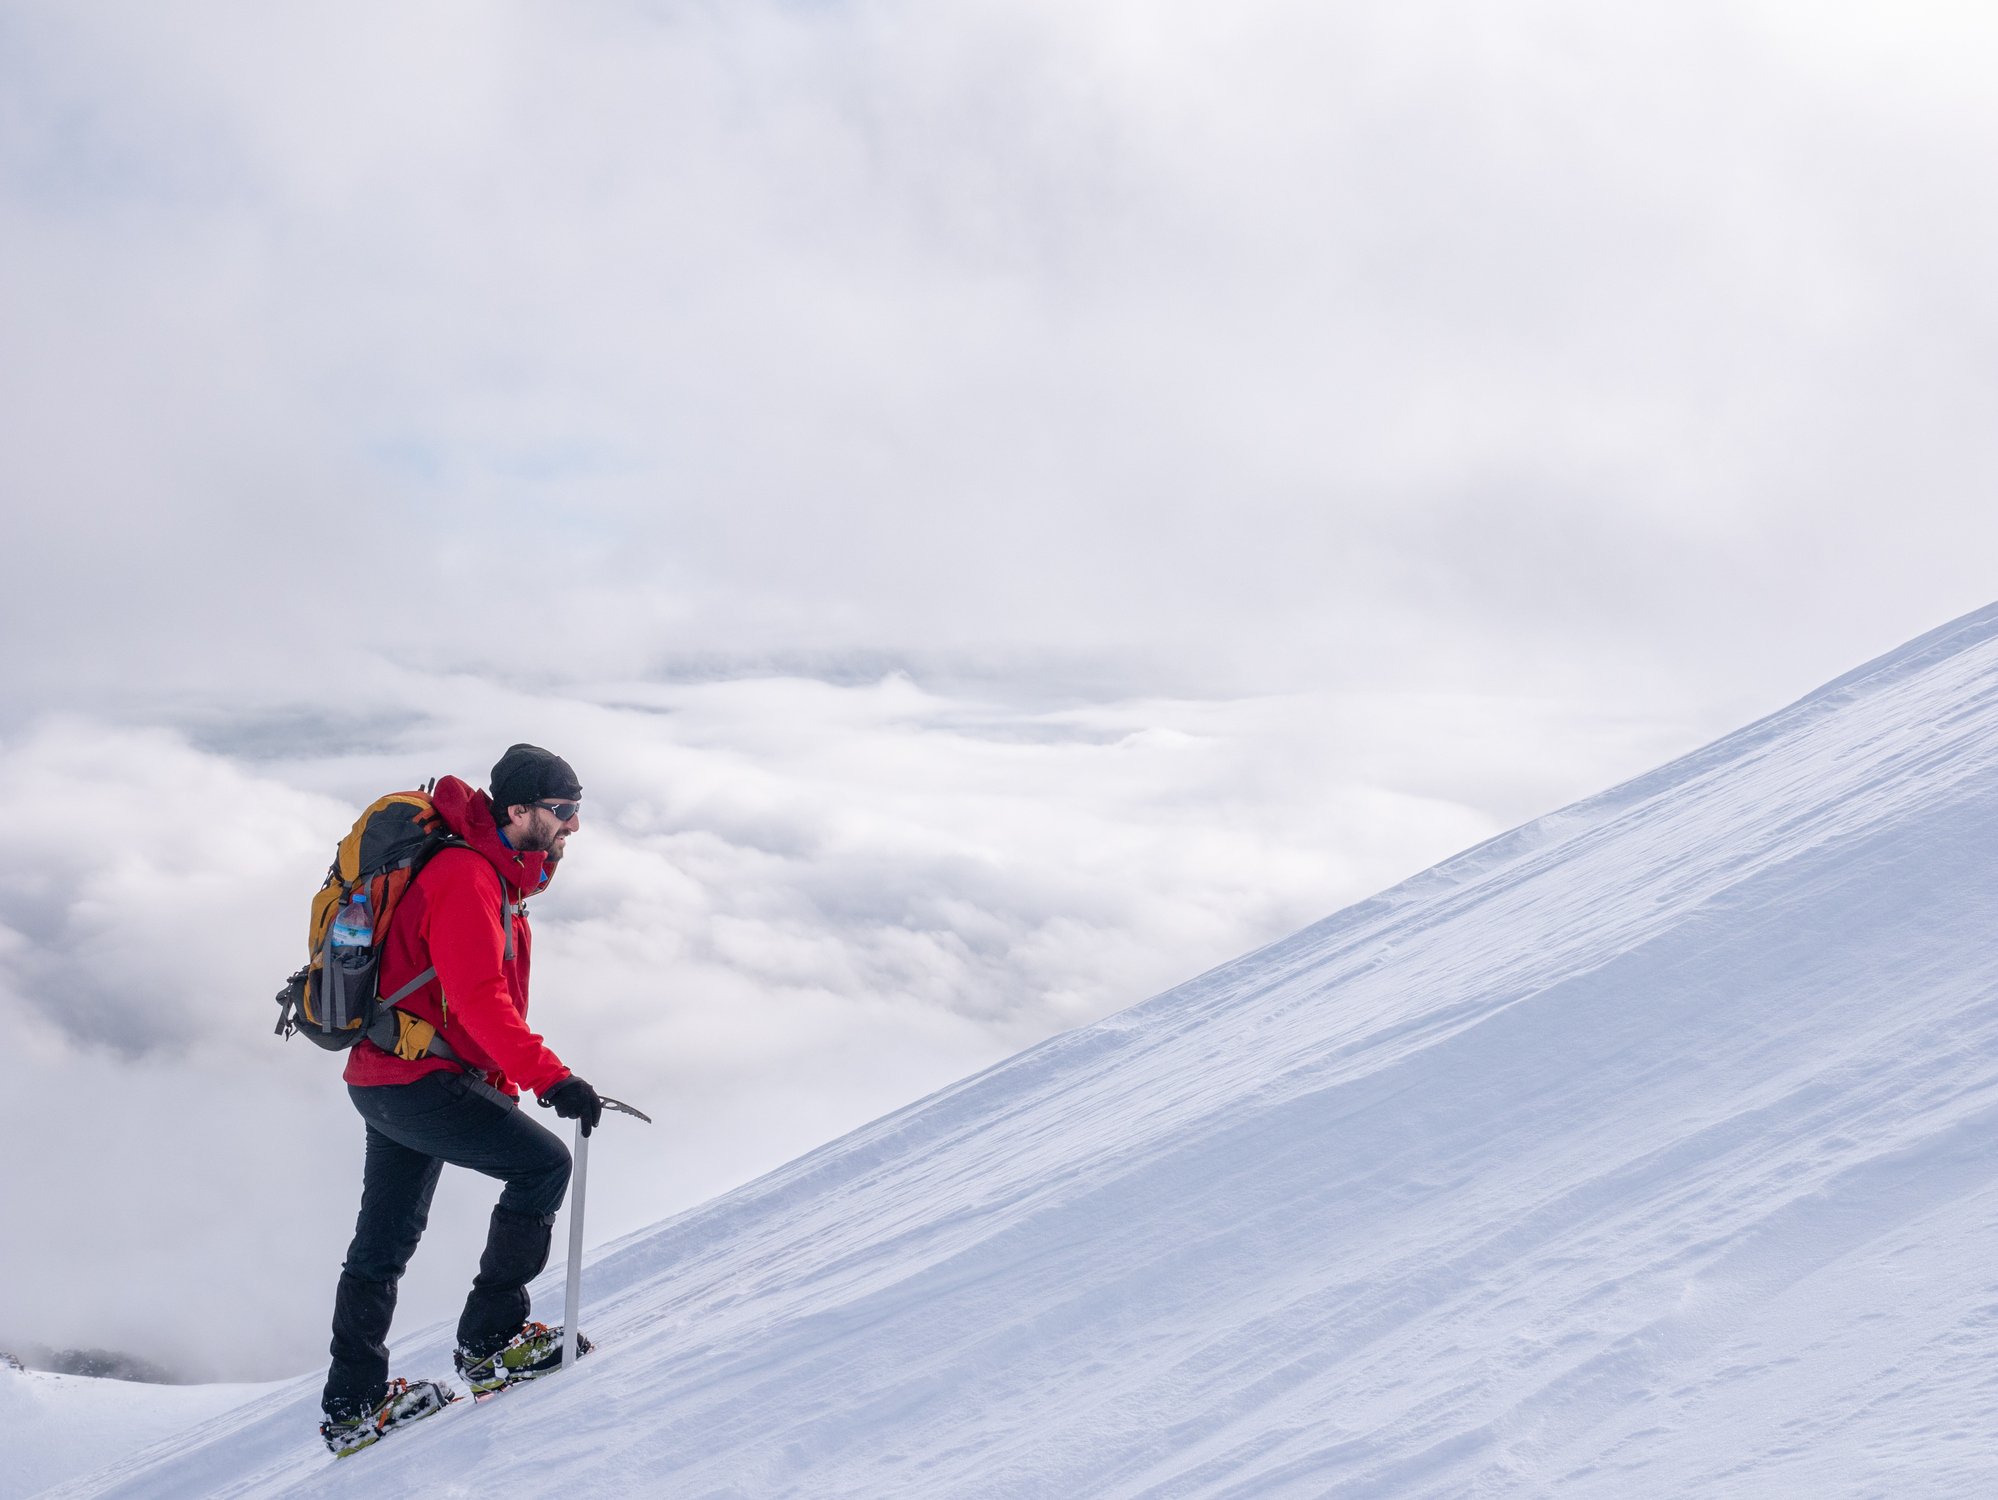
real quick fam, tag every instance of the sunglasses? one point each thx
(563, 811)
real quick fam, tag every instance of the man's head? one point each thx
(536, 799)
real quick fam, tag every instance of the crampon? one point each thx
(406, 1401)
(533, 1352)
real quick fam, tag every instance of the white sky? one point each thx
(1004, 505)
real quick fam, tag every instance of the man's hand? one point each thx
(574, 1099)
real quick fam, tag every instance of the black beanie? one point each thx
(527, 773)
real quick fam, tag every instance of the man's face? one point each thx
(537, 826)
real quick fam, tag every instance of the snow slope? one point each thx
(1648, 1150)
(55, 1426)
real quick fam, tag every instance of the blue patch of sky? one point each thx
(442, 481)
(65, 150)
(565, 459)
(429, 461)
(414, 459)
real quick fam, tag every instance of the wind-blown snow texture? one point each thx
(1645, 1151)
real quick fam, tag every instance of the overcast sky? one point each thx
(1005, 505)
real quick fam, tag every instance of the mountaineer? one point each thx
(437, 1081)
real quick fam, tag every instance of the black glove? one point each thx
(574, 1099)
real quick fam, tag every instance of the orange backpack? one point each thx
(333, 999)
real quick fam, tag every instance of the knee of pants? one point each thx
(540, 1191)
(383, 1263)
(381, 1251)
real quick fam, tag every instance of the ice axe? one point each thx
(572, 1305)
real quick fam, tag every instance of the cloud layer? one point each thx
(794, 906)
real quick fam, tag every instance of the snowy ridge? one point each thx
(1645, 1150)
(53, 1426)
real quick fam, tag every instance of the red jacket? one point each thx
(450, 919)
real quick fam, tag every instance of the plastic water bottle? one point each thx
(354, 926)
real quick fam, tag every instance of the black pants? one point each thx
(413, 1130)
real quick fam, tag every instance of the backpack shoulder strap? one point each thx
(386, 1032)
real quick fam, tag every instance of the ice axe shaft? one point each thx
(572, 1302)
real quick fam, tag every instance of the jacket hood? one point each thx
(467, 812)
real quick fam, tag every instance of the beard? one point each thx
(539, 838)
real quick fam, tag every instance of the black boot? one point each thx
(516, 1253)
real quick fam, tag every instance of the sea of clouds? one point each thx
(794, 904)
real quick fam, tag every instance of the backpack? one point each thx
(332, 1000)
